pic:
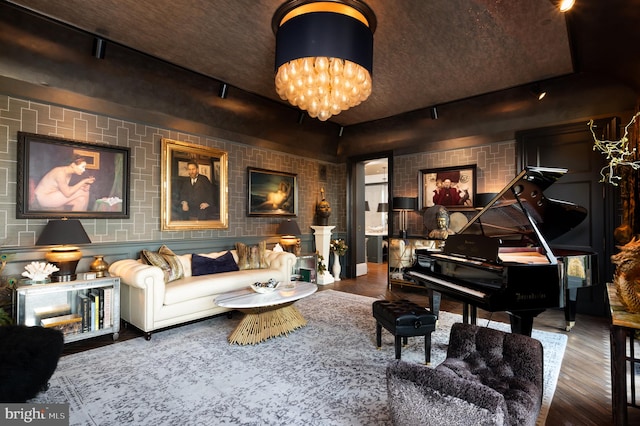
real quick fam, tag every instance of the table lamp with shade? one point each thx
(289, 231)
(63, 235)
(403, 205)
(383, 208)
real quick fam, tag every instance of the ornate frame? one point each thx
(212, 163)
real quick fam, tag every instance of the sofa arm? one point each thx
(136, 274)
(421, 395)
(283, 261)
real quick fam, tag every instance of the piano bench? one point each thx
(403, 319)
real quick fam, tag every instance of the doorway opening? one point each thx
(369, 183)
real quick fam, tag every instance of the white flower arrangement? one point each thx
(39, 271)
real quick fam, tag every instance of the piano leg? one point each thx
(522, 321)
(570, 303)
(469, 313)
(434, 301)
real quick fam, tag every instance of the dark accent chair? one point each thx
(28, 358)
(489, 377)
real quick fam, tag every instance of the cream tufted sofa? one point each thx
(149, 303)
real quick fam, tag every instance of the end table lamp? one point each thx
(289, 231)
(63, 234)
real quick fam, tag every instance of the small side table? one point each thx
(623, 328)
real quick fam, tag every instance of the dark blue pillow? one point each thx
(202, 265)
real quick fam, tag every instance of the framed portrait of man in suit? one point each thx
(194, 187)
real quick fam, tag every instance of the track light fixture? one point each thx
(223, 91)
(99, 47)
(538, 92)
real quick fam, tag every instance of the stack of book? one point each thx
(68, 324)
(92, 312)
(95, 308)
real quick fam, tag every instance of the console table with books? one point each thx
(81, 309)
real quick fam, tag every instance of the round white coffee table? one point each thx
(266, 315)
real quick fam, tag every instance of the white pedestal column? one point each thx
(323, 240)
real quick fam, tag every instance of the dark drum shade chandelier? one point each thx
(324, 54)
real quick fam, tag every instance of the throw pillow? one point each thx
(202, 265)
(166, 260)
(252, 257)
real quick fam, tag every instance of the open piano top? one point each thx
(500, 260)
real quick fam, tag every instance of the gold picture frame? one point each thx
(193, 204)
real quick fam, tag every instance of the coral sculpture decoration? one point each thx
(627, 275)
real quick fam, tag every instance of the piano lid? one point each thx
(520, 215)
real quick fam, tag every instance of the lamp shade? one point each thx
(324, 54)
(63, 232)
(404, 203)
(383, 207)
(288, 227)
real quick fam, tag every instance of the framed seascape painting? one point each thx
(194, 189)
(452, 187)
(65, 178)
(272, 193)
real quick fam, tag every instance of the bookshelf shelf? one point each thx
(82, 309)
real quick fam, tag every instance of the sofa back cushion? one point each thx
(203, 265)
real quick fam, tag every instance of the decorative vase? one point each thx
(99, 266)
(336, 267)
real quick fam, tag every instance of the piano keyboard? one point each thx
(475, 293)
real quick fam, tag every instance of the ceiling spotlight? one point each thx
(565, 5)
(324, 54)
(224, 88)
(538, 92)
(99, 47)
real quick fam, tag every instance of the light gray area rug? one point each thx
(327, 373)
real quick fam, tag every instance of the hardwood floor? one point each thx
(583, 393)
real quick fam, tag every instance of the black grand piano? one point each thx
(500, 260)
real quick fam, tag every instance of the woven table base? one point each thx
(260, 324)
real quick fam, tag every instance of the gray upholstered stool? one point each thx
(404, 319)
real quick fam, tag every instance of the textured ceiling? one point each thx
(426, 53)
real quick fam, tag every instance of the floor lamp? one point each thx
(403, 205)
